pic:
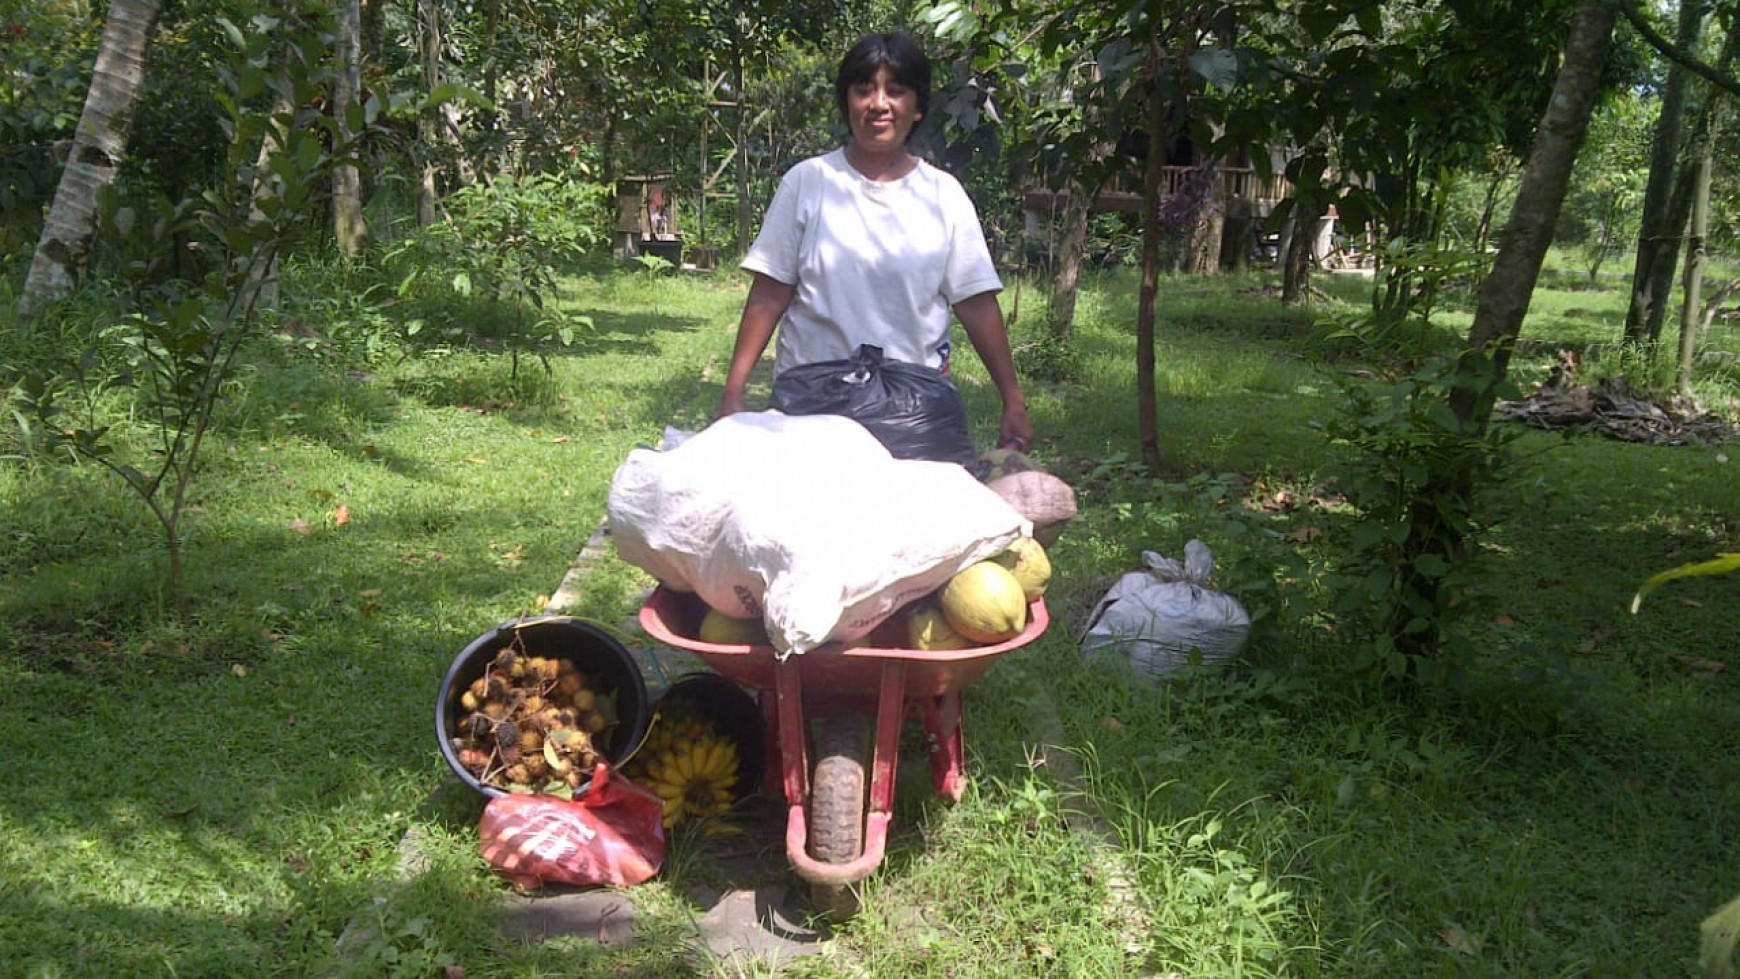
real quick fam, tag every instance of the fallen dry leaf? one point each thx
(1504, 619)
(238, 669)
(559, 440)
(340, 515)
(474, 460)
(300, 526)
(1701, 666)
(1460, 941)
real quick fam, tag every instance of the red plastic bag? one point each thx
(614, 834)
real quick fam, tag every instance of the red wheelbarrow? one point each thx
(836, 831)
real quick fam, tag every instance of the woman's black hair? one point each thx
(905, 61)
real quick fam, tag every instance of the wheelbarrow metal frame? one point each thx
(885, 681)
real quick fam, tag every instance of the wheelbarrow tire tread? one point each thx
(838, 789)
(838, 792)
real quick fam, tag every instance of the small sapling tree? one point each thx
(173, 355)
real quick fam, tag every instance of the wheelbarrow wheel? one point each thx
(837, 798)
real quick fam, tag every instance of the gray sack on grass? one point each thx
(1158, 618)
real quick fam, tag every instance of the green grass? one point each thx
(226, 791)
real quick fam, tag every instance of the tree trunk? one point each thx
(1147, 403)
(1072, 241)
(745, 225)
(1691, 309)
(1683, 199)
(1077, 213)
(1504, 295)
(348, 225)
(99, 144)
(263, 279)
(1238, 236)
(1648, 282)
(491, 69)
(1302, 224)
(1202, 248)
(374, 29)
(1498, 316)
(1667, 254)
(1489, 206)
(429, 53)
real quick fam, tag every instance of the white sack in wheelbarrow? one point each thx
(804, 521)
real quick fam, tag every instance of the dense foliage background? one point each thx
(323, 327)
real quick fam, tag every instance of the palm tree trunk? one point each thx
(99, 145)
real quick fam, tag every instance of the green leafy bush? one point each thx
(1416, 478)
(488, 271)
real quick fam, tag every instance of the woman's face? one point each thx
(882, 112)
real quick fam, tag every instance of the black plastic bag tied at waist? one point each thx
(915, 411)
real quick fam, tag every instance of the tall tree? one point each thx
(429, 57)
(1657, 237)
(348, 225)
(1506, 290)
(99, 145)
(1690, 197)
(1703, 153)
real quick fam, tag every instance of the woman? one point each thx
(870, 245)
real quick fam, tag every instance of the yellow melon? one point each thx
(1027, 561)
(984, 603)
(927, 628)
(723, 630)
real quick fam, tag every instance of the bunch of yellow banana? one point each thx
(693, 779)
(672, 728)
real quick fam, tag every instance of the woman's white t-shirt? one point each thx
(873, 263)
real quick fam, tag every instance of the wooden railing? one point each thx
(1124, 193)
(1231, 183)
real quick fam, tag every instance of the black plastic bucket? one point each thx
(609, 667)
(734, 713)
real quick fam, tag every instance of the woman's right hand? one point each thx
(767, 302)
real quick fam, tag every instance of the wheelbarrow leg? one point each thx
(793, 739)
(771, 759)
(943, 740)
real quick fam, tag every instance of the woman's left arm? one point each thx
(982, 318)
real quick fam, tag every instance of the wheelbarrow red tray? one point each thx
(673, 618)
(836, 833)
